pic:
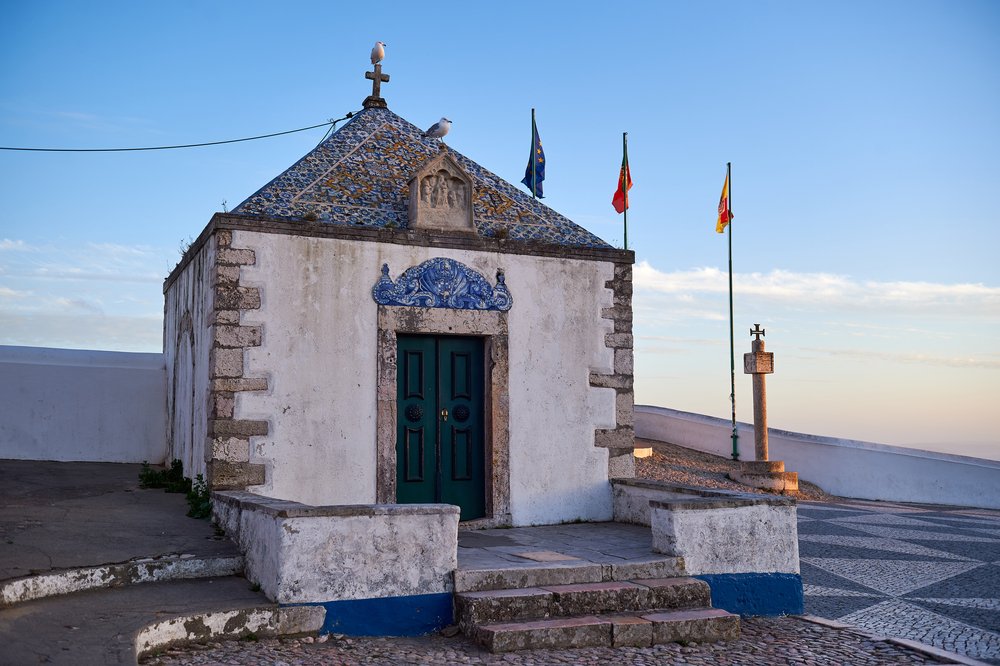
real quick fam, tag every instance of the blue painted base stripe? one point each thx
(756, 593)
(389, 616)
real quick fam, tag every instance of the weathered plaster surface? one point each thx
(728, 537)
(319, 328)
(187, 345)
(303, 554)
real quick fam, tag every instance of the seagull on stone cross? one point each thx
(438, 129)
(378, 52)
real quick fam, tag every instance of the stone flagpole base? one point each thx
(767, 475)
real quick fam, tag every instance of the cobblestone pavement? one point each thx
(925, 573)
(764, 641)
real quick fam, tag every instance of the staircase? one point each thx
(616, 613)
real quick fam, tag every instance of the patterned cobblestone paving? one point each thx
(764, 642)
(929, 574)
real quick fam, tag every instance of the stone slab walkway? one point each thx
(552, 545)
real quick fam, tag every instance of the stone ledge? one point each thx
(237, 298)
(624, 363)
(225, 363)
(237, 336)
(618, 438)
(227, 255)
(289, 509)
(234, 384)
(227, 475)
(618, 340)
(238, 427)
(598, 380)
(700, 497)
(222, 223)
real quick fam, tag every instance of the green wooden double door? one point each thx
(440, 447)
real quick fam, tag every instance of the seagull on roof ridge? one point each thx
(378, 52)
(438, 129)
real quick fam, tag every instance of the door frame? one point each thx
(491, 325)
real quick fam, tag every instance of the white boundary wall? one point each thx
(82, 405)
(844, 467)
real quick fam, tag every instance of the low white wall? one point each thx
(727, 536)
(301, 554)
(844, 467)
(81, 405)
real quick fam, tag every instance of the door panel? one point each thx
(416, 422)
(440, 446)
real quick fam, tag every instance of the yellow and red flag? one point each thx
(620, 200)
(725, 212)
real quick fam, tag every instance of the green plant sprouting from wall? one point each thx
(172, 480)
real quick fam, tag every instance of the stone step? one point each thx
(618, 630)
(498, 606)
(114, 626)
(522, 577)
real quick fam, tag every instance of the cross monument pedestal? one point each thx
(762, 473)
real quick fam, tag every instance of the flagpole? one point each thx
(732, 348)
(534, 143)
(625, 183)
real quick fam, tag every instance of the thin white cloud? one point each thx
(981, 362)
(82, 331)
(10, 244)
(108, 262)
(823, 291)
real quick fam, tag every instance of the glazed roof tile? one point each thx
(360, 176)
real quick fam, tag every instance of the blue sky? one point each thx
(863, 135)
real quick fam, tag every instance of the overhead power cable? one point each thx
(332, 123)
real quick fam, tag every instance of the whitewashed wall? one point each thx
(69, 404)
(187, 344)
(840, 466)
(319, 354)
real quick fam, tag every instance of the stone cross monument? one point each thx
(762, 472)
(377, 78)
(759, 363)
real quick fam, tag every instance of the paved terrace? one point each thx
(917, 572)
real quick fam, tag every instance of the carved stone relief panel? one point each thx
(441, 197)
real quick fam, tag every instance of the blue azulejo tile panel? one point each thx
(360, 176)
(442, 283)
(415, 615)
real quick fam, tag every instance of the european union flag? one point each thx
(535, 173)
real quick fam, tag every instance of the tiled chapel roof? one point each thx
(360, 177)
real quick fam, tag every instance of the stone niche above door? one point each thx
(441, 197)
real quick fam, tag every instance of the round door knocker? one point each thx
(414, 413)
(461, 413)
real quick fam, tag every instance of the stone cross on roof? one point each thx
(757, 330)
(377, 78)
